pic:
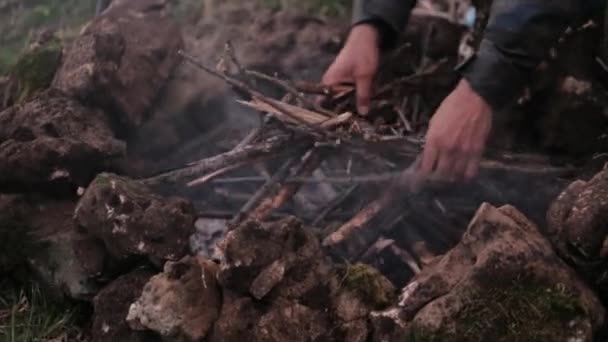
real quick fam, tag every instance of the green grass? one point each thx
(26, 315)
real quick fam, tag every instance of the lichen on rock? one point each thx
(502, 282)
(132, 221)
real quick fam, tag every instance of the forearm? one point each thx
(516, 40)
(391, 16)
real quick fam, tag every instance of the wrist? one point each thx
(365, 33)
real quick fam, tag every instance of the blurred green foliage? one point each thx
(21, 20)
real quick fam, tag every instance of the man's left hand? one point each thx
(457, 136)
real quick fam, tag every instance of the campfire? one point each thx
(186, 193)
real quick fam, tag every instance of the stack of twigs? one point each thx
(310, 140)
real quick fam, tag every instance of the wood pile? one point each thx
(314, 157)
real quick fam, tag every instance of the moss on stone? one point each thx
(36, 68)
(370, 284)
(520, 310)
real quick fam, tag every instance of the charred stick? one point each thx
(334, 205)
(354, 224)
(262, 193)
(309, 162)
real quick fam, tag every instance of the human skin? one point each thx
(459, 129)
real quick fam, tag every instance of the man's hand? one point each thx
(457, 136)
(357, 63)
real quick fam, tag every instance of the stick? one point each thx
(263, 192)
(269, 148)
(291, 90)
(210, 176)
(311, 161)
(354, 224)
(333, 205)
(387, 176)
(251, 92)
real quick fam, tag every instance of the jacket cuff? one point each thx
(389, 16)
(493, 77)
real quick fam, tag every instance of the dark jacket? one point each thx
(517, 38)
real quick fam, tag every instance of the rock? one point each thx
(291, 321)
(182, 302)
(502, 282)
(257, 257)
(53, 141)
(279, 283)
(238, 317)
(38, 236)
(112, 305)
(67, 262)
(122, 59)
(133, 221)
(577, 224)
(209, 232)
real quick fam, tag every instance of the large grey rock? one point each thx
(122, 59)
(67, 262)
(502, 282)
(133, 221)
(52, 139)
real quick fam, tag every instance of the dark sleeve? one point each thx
(516, 40)
(390, 16)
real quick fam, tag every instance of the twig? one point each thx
(253, 93)
(263, 192)
(291, 90)
(269, 148)
(334, 205)
(210, 176)
(354, 224)
(309, 162)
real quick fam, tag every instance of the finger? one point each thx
(459, 167)
(429, 157)
(445, 165)
(472, 167)
(333, 76)
(336, 74)
(364, 93)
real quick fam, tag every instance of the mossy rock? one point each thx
(36, 68)
(522, 310)
(375, 289)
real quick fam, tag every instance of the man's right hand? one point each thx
(357, 63)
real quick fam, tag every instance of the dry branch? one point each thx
(310, 162)
(272, 147)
